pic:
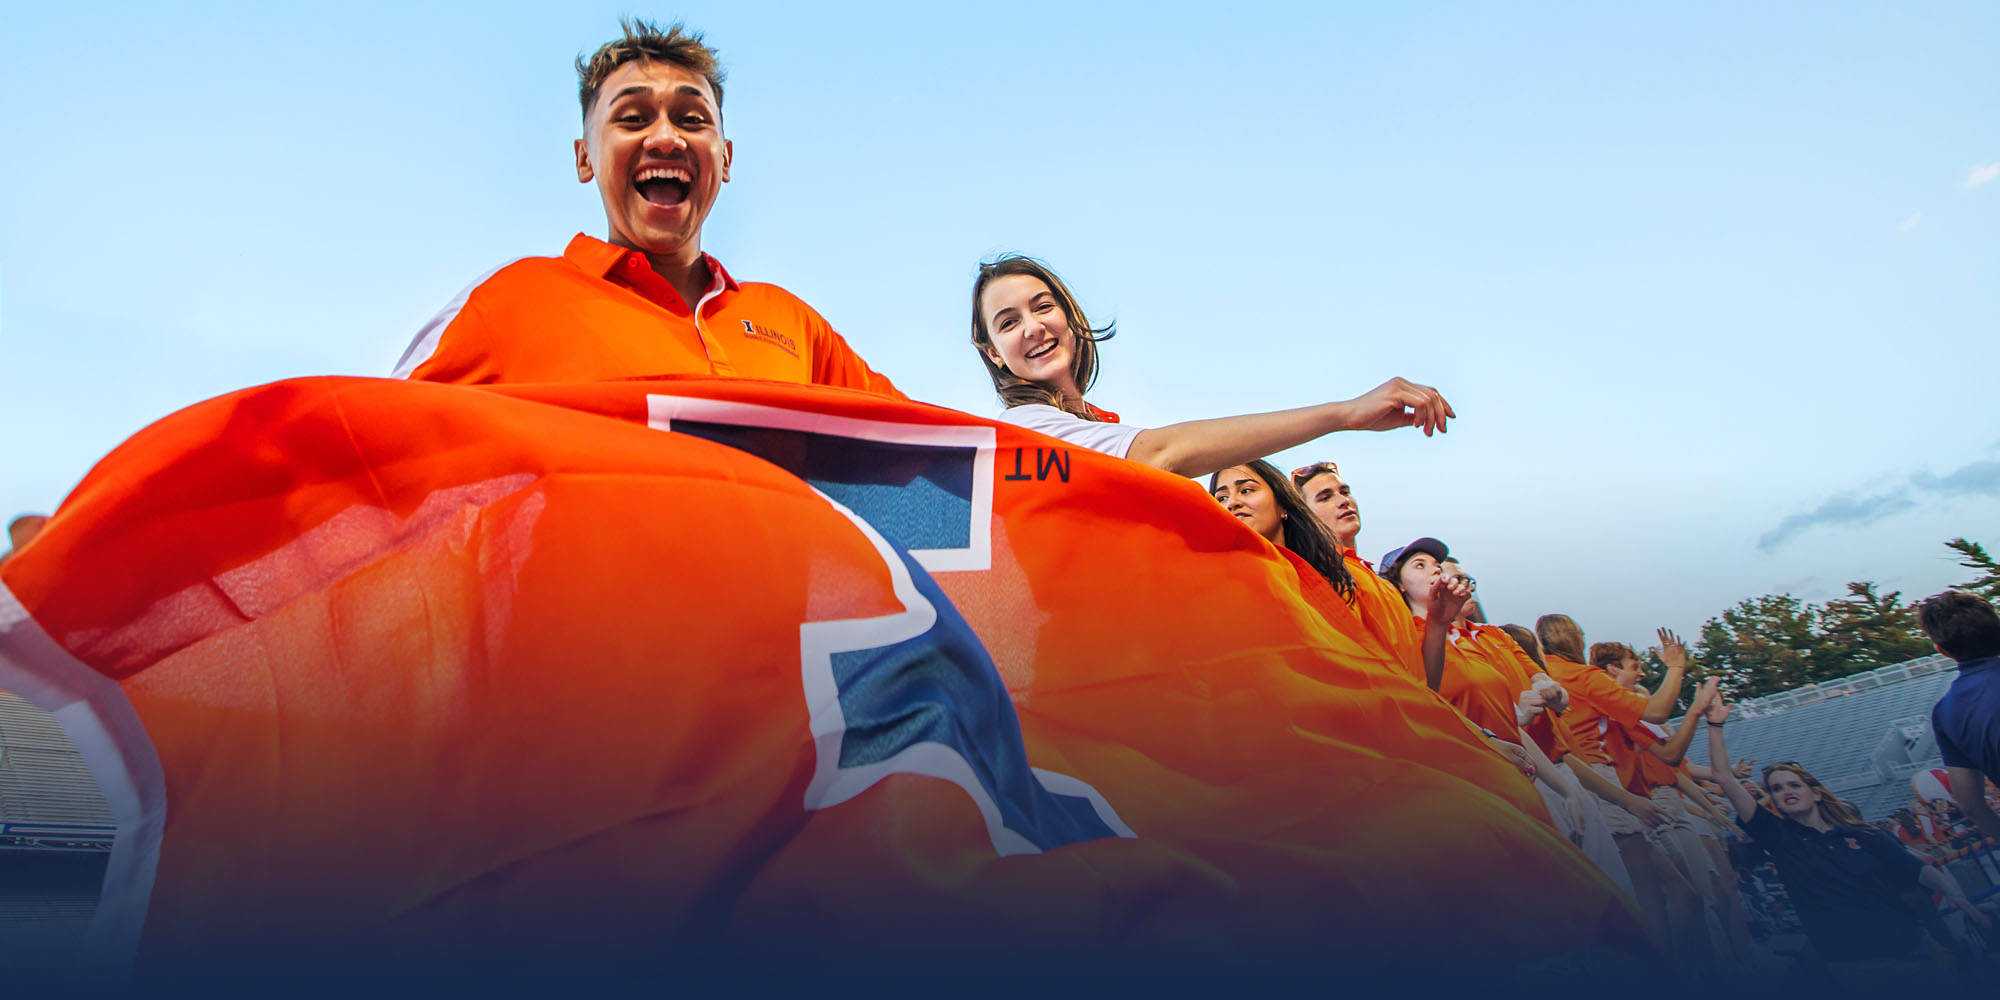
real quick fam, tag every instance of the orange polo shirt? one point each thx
(1640, 772)
(1506, 656)
(1596, 703)
(1385, 614)
(1547, 733)
(1475, 687)
(600, 312)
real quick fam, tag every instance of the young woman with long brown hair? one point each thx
(1859, 894)
(1041, 352)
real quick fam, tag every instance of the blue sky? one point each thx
(1712, 286)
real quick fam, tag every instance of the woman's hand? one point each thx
(1448, 597)
(1399, 403)
(1515, 755)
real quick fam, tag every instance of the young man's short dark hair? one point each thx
(644, 40)
(1962, 625)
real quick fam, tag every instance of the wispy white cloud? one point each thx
(1916, 219)
(1977, 478)
(1981, 175)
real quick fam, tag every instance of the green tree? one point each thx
(1868, 630)
(1764, 645)
(1973, 556)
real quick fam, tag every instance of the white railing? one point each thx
(1807, 694)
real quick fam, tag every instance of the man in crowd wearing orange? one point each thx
(1598, 705)
(645, 300)
(1659, 771)
(1379, 602)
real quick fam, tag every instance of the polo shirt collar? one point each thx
(596, 258)
(1978, 663)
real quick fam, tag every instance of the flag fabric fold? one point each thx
(693, 665)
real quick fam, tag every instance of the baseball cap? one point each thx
(1428, 545)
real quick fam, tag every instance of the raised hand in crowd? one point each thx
(1447, 597)
(1742, 768)
(1705, 696)
(1673, 652)
(1399, 402)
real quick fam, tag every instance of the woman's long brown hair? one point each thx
(1013, 389)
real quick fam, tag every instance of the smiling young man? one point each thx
(645, 300)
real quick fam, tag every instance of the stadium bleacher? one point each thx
(55, 836)
(1862, 736)
(48, 800)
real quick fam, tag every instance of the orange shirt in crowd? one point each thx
(1474, 687)
(1507, 657)
(1385, 614)
(600, 312)
(1650, 771)
(1596, 703)
(1319, 593)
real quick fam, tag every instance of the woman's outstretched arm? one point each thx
(1718, 713)
(1201, 447)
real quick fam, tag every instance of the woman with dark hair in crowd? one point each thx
(1257, 495)
(1041, 352)
(1859, 894)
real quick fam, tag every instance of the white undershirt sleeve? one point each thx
(1111, 439)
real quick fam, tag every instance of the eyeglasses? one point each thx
(1305, 472)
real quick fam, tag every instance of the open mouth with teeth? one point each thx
(1042, 351)
(662, 188)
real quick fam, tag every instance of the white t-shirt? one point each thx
(1112, 439)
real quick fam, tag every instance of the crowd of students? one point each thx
(1575, 718)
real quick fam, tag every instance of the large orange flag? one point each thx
(724, 668)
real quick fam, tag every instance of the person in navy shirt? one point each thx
(1859, 894)
(1966, 721)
